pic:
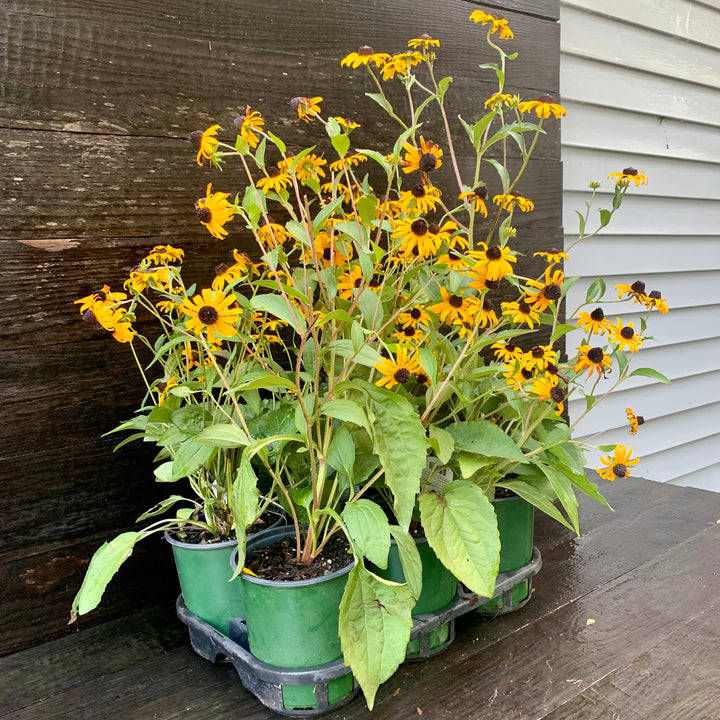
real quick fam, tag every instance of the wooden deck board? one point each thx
(644, 574)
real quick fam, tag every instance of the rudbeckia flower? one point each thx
(162, 254)
(426, 159)
(544, 107)
(498, 99)
(413, 316)
(451, 307)
(400, 370)
(306, 108)
(249, 124)
(410, 334)
(496, 24)
(347, 123)
(618, 464)
(208, 144)
(416, 238)
(274, 181)
(595, 322)
(424, 42)
(214, 212)
(539, 357)
(422, 199)
(655, 300)
(628, 175)
(516, 376)
(224, 275)
(520, 312)
(455, 260)
(365, 55)
(546, 390)
(626, 337)
(211, 311)
(400, 64)
(552, 256)
(507, 352)
(348, 282)
(163, 387)
(270, 235)
(635, 420)
(543, 294)
(592, 359)
(514, 200)
(103, 296)
(635, 291)
(476, 197)
(310, 166)
(496, 261)
(354, 159)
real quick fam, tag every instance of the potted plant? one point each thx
(380, 341)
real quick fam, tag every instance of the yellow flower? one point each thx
(635, 291)
(306, 108)
(274, 181)
(248, 125)
(422, 199)
(354, 159)
(494, 260)
(425, 159)
(539, 357)
(552, 256)
(628, 175)
(424, 41)
(400, 64)
(224, 275)
(507, 352)
(451, 307)
(161, 254)
(476, 197)
(214, 212)
(103, 296)
(347, 123)
(399, 370)
(270, 235)
(413, 316)
(410, 334)
(499, 99)
(617, 466)
(595, 322)
(626, 337)
(348, 282)
(496, 24)
(545, 389)
(592, 359)
(208, 144)
(635, 420)
(514, 200)
(151, 277)
(544, 107)
(329, 252)
(655, 300)
(310, 166)
(520, 312)
(543, 294)
(416, 240)
(364, 56)
(211, 311)
(163, 387)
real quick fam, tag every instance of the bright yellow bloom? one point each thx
(365, 55)
(422, 199)
(635, 420)
(413, 316)
(520, 312)
(354, 159)
(451, 307)
(162, 254)
(274, 181)
(595, 322)
(617, 465)
(103, 296)
(211, 311)
(348, 282)
(545, 389)
(270, 235)
(539, 358)
(347, 123)
(399, 370)
(547, 292)
(163, 387)
(499, 99)
(416, 240)
(655, 300)
(496, 24)
(152, 277)
(307, 108)
(208, 144)
(248, 125)
(552, 256)
(628, 175)
(330, 252)
(425, 159)
(514, 200)
(626, 337)
(424, 41)
(214, 212)
(310, 166)
(507, 352)
(544, 107)
(495, 260)
(592, 359)
(410, 334)
(476, 197)
(400, 64)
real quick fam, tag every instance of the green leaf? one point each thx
(564, 491)
(191, 418)
(367, 356)
(375, 624)
(605, 216)
(399, 442)
(369, 303)
(262, 379)
(561, 330)
(483, 437)
(260, 153)
(190, 457)
(541, 499)
(341, 453)
(325, 213)
(596, 290)
(346, 411)
(650, 373)
(279, 144)
(161, 507)
(244, 501)
(470, 463)
(369, 528)
(223, 435)
(104, 564)
(442, 443)
(622, 360)
(381, 101)
(409, 559)
(341, 143)
(163, 473)
(443, 86)
(278, 307)
(501, 171)
(461, 527)
(367, 206)
(581, 229)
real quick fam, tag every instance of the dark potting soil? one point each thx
(198, 536)
(277, 562)
(501, 492)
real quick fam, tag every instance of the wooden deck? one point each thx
(623, 625)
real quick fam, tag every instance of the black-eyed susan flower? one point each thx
(162, 254)
(635, 291)
(516, 376)
(507, 352)
(499, 99)
(455, 260)
(547, 390)
(306, 108)
(477, 198)
(399, 370)
(486, 311)
(552, 256)
(626, 337)
(275, 180)
(497, 24)
(420, 200)
(416, 314)
(410, 334)
(331, 250)
(655, 300)
(424, 42)
(477, 277)
(214, 212)
(520, 312)
(354, 159)
(248, 125)
(592, 359)
(635, 420)
(451, 307)
(224, 275)
(309, 166)
(544, 107)
(539, 357)
(163, 387)
(103, 296)
(617, 465)
(347, 122)
(168, 306)
(365, 55)
(496, 261)
(208, 144)
(425, 159)
(140, 279)
(628, 175)
(595, 322)
(514, 200)
(445, 234)
(400, 64)
(542, 294)
(416, 239)
(271, 234)
(211, 311)
(349, 281)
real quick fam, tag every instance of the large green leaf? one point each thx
(485, 438)
(370, 530)
(400, 443)
(224, 435)
(442, 443)
(244, 500)
(538, 497)
(277, 306)
(461, 527)
(347, 411)
(190, 456)
(104, 564)
(409, 559)
(341, 453)
(564, 490)
(375, 624)
(366, 355)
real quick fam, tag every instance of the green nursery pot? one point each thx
(294, 624)
(516, 524)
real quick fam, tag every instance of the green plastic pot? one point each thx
(516, 524)
(294, 624)
(439, 587)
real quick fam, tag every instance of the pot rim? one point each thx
(198, 546)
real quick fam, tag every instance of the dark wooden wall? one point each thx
(96, 101)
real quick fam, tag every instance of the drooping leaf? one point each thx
(537, 497)
(367, 355)
(461, 527)
(485, 438)
(190, 456)
(375, 624)
(442, 443)
(564, 490)
(649, 373)
(224, 435)
(244, 500)
(409, 559)
(279, 308)
(347, 411)
(341, 453)
(369, 528)
(161, 507)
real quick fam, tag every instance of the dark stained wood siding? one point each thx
(96, 101)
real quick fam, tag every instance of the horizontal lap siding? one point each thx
(641, 83)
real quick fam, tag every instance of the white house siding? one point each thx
(641, 83)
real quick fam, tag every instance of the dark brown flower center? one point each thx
(481, 192)
(358, 282)
(546, 98)
(492, 284)
(89, 317)
(620, 470)
(327, 253)
(640, 419)
(204, 214)
(628, 333)
(434, 228)
(630, 171)
(455, 301)
(427, 162)
(510, 346)
(207, 315)
(493, 253)
(422, 378)
(221, 269)
(557, 394)
(375, 282)
(638, 287)
(597, 315)
(487, 305)
(273, 172)
(537, 352)
(367, 50)
(409, 331)
(402, 375)
(526, 373)
(416, 313)
(596, 355)
(419, 227)
(551, 369)
(524, 308)
(194, 137)
(655, 295)
(419, 191)
(552, 292)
